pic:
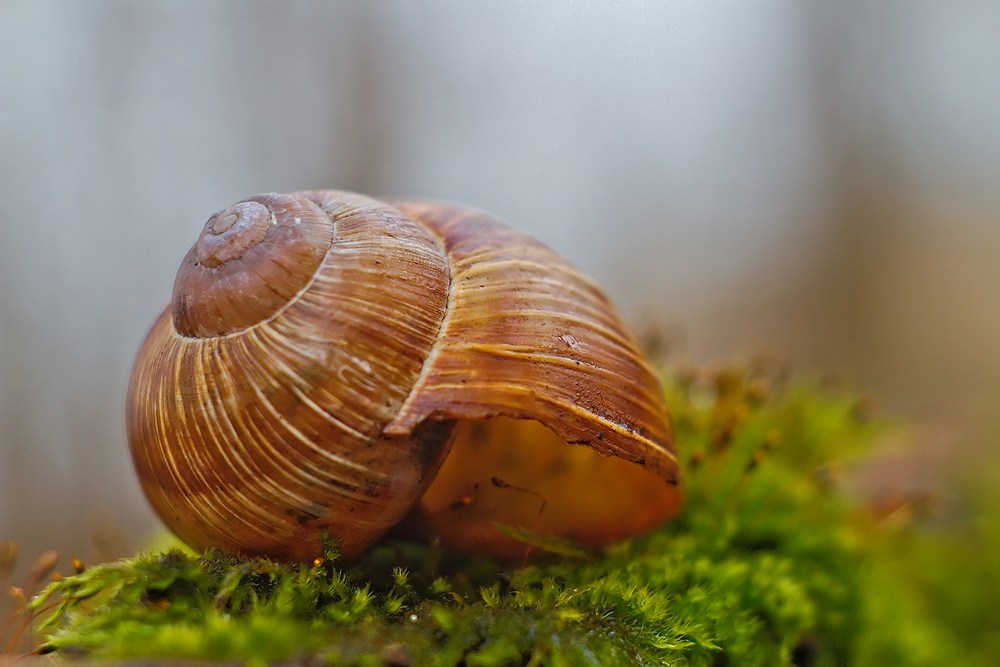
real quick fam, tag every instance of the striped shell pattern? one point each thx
(332, 363)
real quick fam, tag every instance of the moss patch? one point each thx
(766, 566)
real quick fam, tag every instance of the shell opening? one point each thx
(519, 473)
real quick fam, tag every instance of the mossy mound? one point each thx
(766, 566)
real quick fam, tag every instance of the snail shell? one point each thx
(334, 363)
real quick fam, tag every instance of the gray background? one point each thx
(816, 180)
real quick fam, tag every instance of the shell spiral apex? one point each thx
(333, 363)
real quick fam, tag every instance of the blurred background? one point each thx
(814, 180)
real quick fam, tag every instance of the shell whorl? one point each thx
(250, 261)
(320, 348)
(260, 432)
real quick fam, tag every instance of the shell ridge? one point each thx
(220, 416)
(214, 427)
(264, 444)
(393, 428)
(288, 380)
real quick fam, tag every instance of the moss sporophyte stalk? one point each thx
(770, 563)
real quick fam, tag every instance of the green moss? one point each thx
(932, 591)
(769, 564)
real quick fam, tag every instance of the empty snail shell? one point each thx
(334, 363)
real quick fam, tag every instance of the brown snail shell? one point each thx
(325, 354)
